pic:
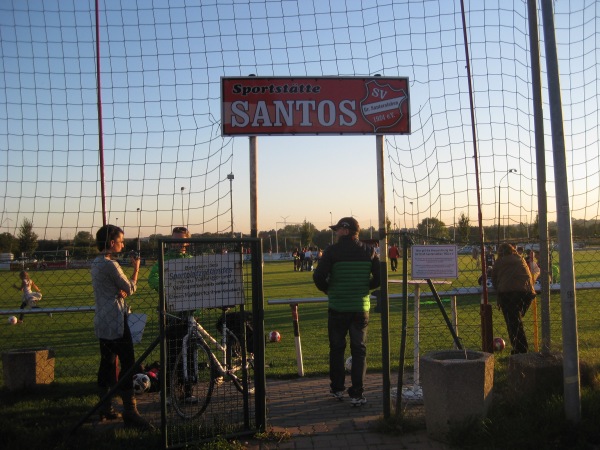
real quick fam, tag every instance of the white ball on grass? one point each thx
(141, 383)
(349, 364)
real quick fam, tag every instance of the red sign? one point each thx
(334, 105)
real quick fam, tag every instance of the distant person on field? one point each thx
(296, 256)
(475, 255)
(308, 259)
(394, 254)
(29, 298)
(111, 287)
(532, 262)
(512, 279)
(489, 257)
(348, 270)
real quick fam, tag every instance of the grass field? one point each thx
(72, 338)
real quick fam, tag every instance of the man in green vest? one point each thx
(347, 272)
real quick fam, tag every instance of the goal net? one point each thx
(166, 162)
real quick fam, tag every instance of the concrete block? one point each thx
(457, 386)
(28, 367)
(533, 373)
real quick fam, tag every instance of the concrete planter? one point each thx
(28, 367)
(457, 386)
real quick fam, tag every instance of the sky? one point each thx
(165, 159)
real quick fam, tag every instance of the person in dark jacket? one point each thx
(513, 283)
(348, 270)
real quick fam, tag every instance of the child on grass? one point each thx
(30, 298)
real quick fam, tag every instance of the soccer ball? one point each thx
(12, 320)
(499, 344)
(349, 364)
(274, 336)
(141, 383)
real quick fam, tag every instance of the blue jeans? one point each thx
(339, 325)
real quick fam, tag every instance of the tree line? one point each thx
(305, 234)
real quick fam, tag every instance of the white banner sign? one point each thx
(206, 281)
(434, 261)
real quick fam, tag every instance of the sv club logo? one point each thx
(381, 106)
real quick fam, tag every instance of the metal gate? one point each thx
(212, 339)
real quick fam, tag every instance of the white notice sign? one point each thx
(434, 261)
(206, 281)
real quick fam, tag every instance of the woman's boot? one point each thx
(131, 416)
(107, 411)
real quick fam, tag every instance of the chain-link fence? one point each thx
(53, 340)
(214, 347)
(427, 327)
(68, 332)
(63, 319)
(461, 299)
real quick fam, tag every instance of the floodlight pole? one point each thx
(138, 237)
(230, 178)
(182, 219)
(395, 226)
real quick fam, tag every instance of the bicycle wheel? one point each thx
(191, 397)
(235, 366)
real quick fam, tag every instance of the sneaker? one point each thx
(338, 395)
(358, 401)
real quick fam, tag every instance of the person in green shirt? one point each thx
(176, 327)
(347, 271)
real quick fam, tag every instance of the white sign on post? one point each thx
(206, 281)
(434, 261)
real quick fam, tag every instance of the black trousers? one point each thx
(109, 351)
(339, 325)
(514, 305)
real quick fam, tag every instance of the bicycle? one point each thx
(194, 378)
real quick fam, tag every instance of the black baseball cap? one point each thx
(349, 223)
